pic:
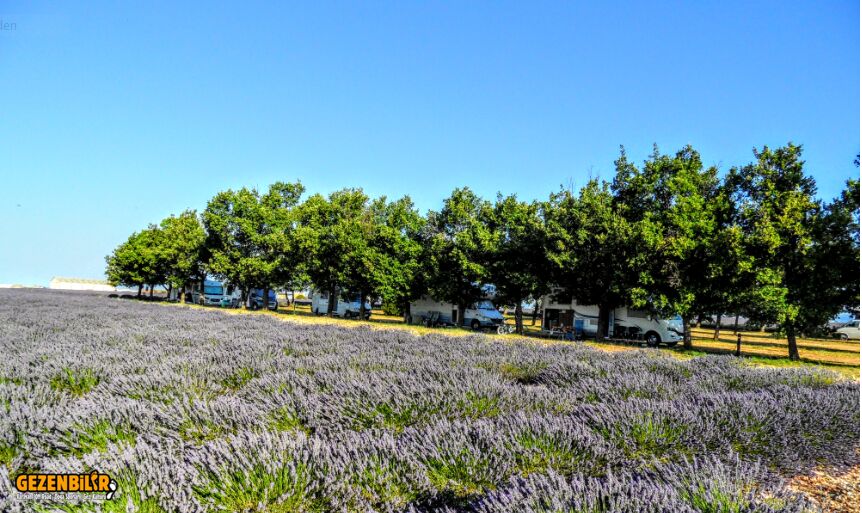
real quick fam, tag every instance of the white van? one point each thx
(624, 322)
(346, 309)
(479, 315)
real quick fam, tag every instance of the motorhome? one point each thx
(479, 315)
(346, 308)
(210, 294)
(623, 322)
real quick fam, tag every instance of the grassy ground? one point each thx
(825, 351)
(760, 348)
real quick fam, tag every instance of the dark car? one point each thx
(256, 300)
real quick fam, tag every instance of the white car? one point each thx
(849, 331)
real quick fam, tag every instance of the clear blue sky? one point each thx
(112, 118)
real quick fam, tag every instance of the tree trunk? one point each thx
(717, 331)
(140, 289)
(264, 297)
(461, 310)
(151, 291)
(604, 319)
(535, 312)
(736, 324)
(686, 332)
(407, 314)
(791, 343)
(361, 305)
(330, 307)
(699, 320)
(170, 289)
(519, 318)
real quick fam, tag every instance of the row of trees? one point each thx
(671, 236)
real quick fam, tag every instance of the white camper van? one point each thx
(480, 315)
(623, 323)
(347, 309)
(212, 293)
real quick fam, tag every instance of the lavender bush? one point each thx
(194, 411)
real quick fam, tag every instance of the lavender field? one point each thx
(194, 410)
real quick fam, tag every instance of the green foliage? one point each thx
(462, 475)
(286, 419)
(285, 489)
(138, 261)
(525, 374)
(396, 270)
(239, 379)
(75, 381)
(9, 450)
(647, 437)
(97, 436)
(201, 431)
(593, 250)
(513, 255)
(251, 237)
(382, 483)
(454, 242)
(676, 205)
(474, 406)
(539, 451)
(395, 416)
(805, 254)
(7, 454)
(669, 237)
(706, 499)
(364, 247)
(182, 248)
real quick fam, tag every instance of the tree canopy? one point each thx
(671, 236)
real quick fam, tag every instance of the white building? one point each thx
(80, 284)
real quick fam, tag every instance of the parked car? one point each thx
(849, 331)
(256, 300)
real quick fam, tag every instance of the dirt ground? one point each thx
(835, 492)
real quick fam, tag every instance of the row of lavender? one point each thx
(199, 411)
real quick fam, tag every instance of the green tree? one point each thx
(354, 231)
(593, 250)
(833, 284)
(137, 261)
(674, 199)
(799, 246)
(334, 235)
(514, 257)
(317, 243)
(251, 239)
(182, 247)
(398, 248)
(729, 269)
(454, 241)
